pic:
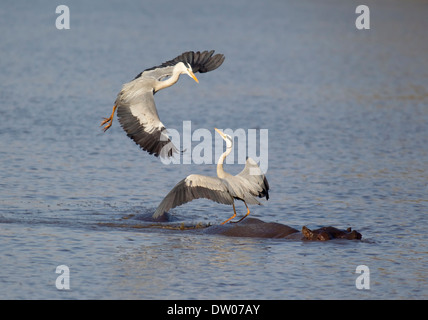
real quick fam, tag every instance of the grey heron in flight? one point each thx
(136, 109)
(224, 188)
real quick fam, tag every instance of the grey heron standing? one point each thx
(224, 188)
(136, 109)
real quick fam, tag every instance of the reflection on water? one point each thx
(174, 264)
(347, 118)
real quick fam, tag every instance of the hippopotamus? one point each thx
(253, 227)
(328, 233)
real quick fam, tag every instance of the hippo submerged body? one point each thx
(256, 228)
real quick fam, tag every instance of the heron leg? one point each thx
(108, 121)
(234, 215)
(248, 212)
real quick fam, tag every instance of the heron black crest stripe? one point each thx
(199, 61)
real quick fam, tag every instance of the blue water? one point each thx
(347, 116)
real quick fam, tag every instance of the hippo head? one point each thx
(328, 233)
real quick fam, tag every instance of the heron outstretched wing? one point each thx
(199, 61)
(194, 186)
(258, 184)
(140, 119)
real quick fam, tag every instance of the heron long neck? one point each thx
(168, 82)
(220, 171)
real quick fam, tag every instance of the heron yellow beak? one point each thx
(220, 133)
(193, 76)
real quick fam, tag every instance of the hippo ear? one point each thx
(307, 233)
(349, 229)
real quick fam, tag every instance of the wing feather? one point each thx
(140, 120)
(194, 187)
(199, 61)
(257, 182)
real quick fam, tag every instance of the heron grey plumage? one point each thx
(225, 188)
(135, 104)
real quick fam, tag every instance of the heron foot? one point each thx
(239, 219)
(246, 215)
(234, 215)
(108, 121)
(228, 219)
